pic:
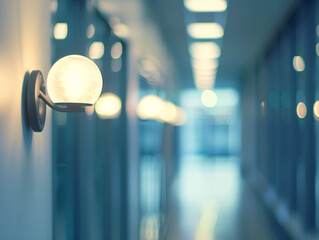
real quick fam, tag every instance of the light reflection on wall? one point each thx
(316, 110)
(89, 110)
(317, 49)
(211, 189)
(90, 31)
(262, 105)
(60, 31)
(5, 95)
(150, 195)
(298, 63)
(116, 50)
(96, 50)
(25, 165)
(54, 5)
(116, 65)
(121, 30)
(208, 220)
(149, 228)
(301, 110)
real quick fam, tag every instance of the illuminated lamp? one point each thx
(73, 83)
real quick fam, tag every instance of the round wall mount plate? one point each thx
(35, 106)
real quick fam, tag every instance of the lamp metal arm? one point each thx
(50, 103)
(68, 108)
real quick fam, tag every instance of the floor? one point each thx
(210, 201)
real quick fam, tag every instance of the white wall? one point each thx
(25, 157)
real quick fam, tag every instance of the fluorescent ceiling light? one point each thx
(205, 72)
(204, 82)
(205, 30)
(204, 50)
(205, 85)
(204, 64)
(206, 5)
(204, 79)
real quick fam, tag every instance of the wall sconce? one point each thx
(108, 106)
(152, 107)
(73, 83)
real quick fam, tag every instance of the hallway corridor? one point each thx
(159, 120)
(211, 201)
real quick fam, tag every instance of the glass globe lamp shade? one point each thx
(74, 79)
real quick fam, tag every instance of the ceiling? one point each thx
(250, 27)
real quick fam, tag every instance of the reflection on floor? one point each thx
(211, 201)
